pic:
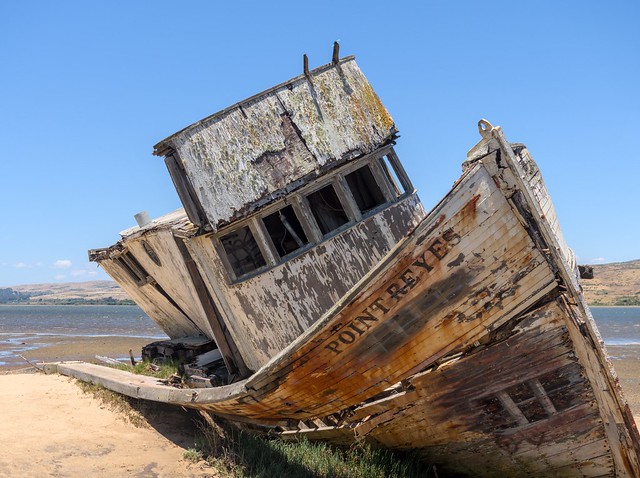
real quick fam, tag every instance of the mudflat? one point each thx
(83, 348)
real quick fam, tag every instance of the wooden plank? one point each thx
(512, 408)
(179, 179)
(170, 319)
(481, 303)
(227, 348)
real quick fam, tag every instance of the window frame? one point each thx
(346, 202)
(298, 200)
(258, 237)
(268, 234)
(381, 182)
(398, 171)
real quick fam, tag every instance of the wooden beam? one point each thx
(227, 347)
(191, 204)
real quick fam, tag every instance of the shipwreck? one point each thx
(310, 293)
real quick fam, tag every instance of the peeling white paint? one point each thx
(248, 152)
(267, 312)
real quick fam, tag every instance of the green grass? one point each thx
(234, 453)
(193, 455)
(237, 454)
(627, 300)
(144, 367)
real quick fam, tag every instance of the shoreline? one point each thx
(43, 347)
(59, 348)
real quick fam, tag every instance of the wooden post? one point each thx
(335, 59)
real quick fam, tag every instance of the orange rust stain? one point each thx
(469, 209)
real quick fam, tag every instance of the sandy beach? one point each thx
(50, 427)
(628, 370)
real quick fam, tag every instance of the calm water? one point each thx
(28, 327)
(618, 325)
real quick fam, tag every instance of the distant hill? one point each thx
(614, 284)
(94, 292)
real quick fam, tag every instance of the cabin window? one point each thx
(327, 209)
(242, 251)
(348, 195)
(151, 253)
(392, 176)
(365, 189)
(285, 231)
(135, 270)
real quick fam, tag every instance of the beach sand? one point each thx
(626, 363)
(50, 427)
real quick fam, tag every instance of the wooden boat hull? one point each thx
(523, 404)
(469, 342)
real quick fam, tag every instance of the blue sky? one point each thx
(87, 88)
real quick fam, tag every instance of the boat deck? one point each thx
(138, 386)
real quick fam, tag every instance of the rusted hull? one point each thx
(434, 295)
(469, 342)
(523, 403)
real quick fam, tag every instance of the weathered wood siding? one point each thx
(241, 157)
(172, 290)
(522, 403)
(156, 305)
(171, 274)
(520, 180)
(484, 271)
(469, 268)
(589, 347)
(268, 312)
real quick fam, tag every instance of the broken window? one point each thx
(285, 231)
(327, 209)
(390, 171)
(242, 251)
(130, 264)
(365, 189)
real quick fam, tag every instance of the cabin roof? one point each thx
(164, 147)
(259, 149)
(176, 220)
